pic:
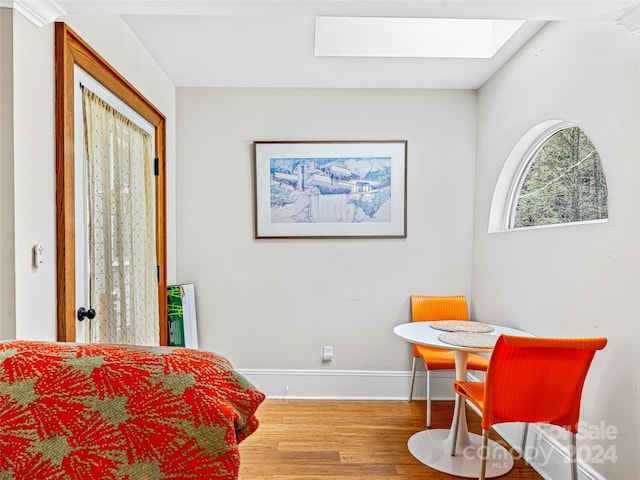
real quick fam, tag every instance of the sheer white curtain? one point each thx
(121, 244)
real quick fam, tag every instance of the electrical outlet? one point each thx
(327, 353)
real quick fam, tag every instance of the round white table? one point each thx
(433, 447)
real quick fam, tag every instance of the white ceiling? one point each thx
(269, 43)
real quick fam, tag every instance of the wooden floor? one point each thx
(347, 440)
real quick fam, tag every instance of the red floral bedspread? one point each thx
(93, 412)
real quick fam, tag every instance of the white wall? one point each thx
(34, 151)
(273, 304)
(7, 275)
(571, 280)
(34, 177)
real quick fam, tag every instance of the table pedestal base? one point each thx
(432, 448)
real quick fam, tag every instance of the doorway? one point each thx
(72, 52)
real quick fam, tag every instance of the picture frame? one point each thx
(330, 189)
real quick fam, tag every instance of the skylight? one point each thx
(412, 37)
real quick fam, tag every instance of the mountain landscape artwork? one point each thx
(330, 190)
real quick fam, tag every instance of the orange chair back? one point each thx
(533, 380)
(429, 308)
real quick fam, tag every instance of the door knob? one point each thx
(84, 313)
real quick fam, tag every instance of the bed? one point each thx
(72, 411)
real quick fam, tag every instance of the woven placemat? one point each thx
(472, 340)
(461, 326)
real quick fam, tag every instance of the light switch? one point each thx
(38, 255)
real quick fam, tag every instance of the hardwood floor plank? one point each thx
(347, 440)
(334, 477)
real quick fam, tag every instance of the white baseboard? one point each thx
(348, 384)
(550, 458)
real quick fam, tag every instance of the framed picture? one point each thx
(330, 189)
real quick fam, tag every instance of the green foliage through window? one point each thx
(563, 182)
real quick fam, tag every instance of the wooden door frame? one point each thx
(71, 50)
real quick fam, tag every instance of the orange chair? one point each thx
(531, 379)
(429, 308)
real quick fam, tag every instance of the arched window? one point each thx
(562, 181)
(552, 176)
